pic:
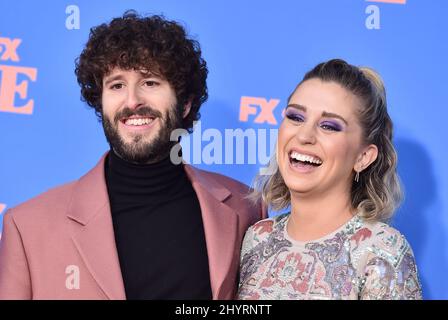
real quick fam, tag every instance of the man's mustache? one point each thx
(142, 111)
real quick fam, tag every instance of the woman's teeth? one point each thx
(296, 157)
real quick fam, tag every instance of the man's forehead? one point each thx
(117, 71)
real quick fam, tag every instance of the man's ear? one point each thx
(367, 156)
(187, 108)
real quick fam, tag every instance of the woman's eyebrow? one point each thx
(297, 106)
(334, 115)
(324, 113)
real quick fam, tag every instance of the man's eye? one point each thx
(117, 86)
(150, 83)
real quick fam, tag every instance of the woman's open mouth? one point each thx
(304, 162)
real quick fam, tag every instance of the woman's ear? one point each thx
(367, 156)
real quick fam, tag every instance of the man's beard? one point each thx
(139, 150)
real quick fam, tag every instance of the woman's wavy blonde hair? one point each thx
(378, 192)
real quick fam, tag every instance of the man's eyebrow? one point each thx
(324, 113)
(143, 74)
(112, 78)
(148, 74)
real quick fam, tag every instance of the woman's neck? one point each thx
(313, 217)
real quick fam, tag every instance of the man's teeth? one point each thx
(305, 158)
(138, 121)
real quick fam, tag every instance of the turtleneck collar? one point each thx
(141, 179)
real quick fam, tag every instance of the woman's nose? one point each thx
(306, 134)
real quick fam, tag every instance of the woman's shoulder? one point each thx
(267, 226)
(262, 232)
(383, 241)
(387, 265)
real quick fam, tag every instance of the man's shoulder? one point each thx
(232, 184)
(236, 194)
(44, 205)
(53, 202)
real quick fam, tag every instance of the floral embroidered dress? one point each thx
(360, 260)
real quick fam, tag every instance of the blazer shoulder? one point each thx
(231, 184)
(44, 205)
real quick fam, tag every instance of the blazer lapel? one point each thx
(93, 233)
(221, 229)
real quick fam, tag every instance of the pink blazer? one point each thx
(61, 245)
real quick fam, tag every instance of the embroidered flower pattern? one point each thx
(358, 261)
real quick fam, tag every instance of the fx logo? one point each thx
(72, 280)
(8, 78)
(8, 48)
(262, 108)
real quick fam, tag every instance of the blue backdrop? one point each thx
(255, 49)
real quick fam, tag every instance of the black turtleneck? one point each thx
(158, 230)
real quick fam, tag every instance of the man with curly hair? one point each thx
(137, 226)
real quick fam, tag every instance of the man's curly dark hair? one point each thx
(153, 43)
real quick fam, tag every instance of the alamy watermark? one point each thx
(233, 146)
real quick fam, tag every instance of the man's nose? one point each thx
(134, 98)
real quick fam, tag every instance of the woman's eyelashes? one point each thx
(327, 125)
(330, 125)
(294, 115)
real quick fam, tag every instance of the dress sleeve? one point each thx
(245, 249)
(390, 272)
(247, 243)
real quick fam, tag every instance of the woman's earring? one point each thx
(357, 176)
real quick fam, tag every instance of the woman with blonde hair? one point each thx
(335, 167)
